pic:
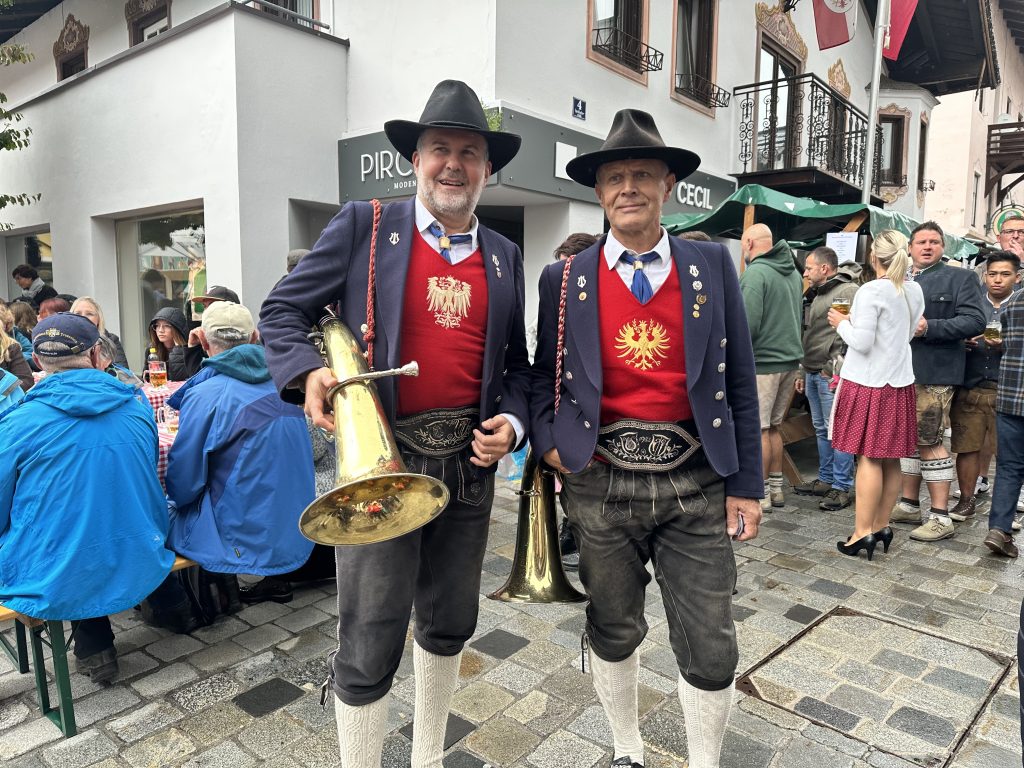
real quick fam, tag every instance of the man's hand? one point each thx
(553, 460)
(973, 342)
(995, 344)
(922, 327)
(490, 448)
(193, 337)
(799, 384)
(318, 382)
(835, 317)
(751, 511)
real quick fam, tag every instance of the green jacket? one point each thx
(772, 296)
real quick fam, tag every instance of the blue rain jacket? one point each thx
(82, 516)
(240, 471)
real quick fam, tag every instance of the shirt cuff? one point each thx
(517, 425)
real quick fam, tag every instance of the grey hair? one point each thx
(106, 348)
(224, 339)
(63, 363)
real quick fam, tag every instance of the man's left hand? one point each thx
(490, 448)
(751, 511)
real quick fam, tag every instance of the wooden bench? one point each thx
(63, 715)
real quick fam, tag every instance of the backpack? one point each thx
(11, 392)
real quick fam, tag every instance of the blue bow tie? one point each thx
(641, 286)
(445, 242)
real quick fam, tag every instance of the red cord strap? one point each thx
(370, 329)
(560, 347)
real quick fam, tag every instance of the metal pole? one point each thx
(881, 33)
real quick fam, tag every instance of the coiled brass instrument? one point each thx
(375, 498)
(537, 575)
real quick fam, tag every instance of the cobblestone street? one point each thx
(906, 660)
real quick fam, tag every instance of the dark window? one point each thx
(776, 146)
(922, 155)
(618, 34)
(72, 66)
(890, 170)
(147, 22)
(695, 40)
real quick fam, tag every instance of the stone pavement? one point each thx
(907, 660)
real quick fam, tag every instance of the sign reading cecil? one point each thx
(699, 193)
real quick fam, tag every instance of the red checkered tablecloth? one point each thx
(165, 441)
(158, 395)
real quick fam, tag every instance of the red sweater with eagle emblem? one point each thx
(642, 351)
(444, 327)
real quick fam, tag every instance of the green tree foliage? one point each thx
(13, 135)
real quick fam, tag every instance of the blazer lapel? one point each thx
(695, 285)
(582, 324)
(394, 244)
(501, 298)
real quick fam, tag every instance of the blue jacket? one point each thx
(240, 471)
(82, 516)
(26, 343)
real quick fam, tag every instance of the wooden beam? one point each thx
(855, 222)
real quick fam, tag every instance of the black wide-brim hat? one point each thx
(633, 136)
(455, 106)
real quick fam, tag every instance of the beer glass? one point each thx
(156, 374)
(993, 331)
(168, 417)
(841, 305)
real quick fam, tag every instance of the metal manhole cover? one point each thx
(901, 691)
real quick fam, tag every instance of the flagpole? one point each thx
(881, 32)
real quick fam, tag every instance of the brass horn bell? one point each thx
(537, 575)
(375, 498)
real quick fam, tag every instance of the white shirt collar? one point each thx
(425, 218)
(613, 249)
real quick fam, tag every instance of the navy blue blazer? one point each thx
(337, 270)
(719, 364)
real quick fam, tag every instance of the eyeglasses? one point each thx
(1013, 232)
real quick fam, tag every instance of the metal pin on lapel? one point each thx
(394, 238)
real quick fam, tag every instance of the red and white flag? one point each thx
(835, 22)
(899, 21)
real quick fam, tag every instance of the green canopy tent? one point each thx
(802, 221)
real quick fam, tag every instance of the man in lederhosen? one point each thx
(654, 425)
(449, 294)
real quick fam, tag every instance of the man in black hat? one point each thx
(644, 397)
(449, 294)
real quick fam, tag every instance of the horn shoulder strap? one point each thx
(560, 346)
(370, 329)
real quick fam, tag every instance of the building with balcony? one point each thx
(183, 142)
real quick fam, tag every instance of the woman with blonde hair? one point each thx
(87, 307)
(24, 316)
(875, 412)
(12, 359)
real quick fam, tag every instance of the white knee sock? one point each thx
(706, 714)
(361, 732)
(615, 683)
(436, 680)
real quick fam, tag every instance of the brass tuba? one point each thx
(375, 498)
(537, 574)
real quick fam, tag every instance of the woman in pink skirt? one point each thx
(875, 413)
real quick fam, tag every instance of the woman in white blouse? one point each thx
(875, 411)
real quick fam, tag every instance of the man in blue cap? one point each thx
(78, 440)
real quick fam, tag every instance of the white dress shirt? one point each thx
(459, 251)
(657, 271)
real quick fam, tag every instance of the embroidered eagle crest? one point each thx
(449, 300)
(642, 344)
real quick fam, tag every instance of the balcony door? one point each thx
(778, 123)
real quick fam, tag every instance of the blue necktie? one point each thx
(641, 285)
(445, 242)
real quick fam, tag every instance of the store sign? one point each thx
(699, 193)
(370, 167)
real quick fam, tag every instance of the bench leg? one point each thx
(64, 716)
(39, 668)
(22, 646)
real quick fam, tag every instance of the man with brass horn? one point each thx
(644, 397)
(449, 294)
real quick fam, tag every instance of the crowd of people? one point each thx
(663, 425)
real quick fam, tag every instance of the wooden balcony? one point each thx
(1004, 156)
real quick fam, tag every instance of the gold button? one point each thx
(583, 295)
(696, 314)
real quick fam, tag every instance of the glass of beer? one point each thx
(993, 331)
(168, 417)
(841, 305)
(157, 373)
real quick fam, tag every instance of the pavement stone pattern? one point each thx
(907, 660)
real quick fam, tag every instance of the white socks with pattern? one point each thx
(361, 732)
(436, 680)
(615, 683)
(706, 714)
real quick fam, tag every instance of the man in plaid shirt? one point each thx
(1009, 431)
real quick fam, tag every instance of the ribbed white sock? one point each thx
(436, 680)
(361, 732)
(706, 714)
(615, 683)
(775, 481)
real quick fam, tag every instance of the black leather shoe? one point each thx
(566, 541)
(100, 667)
(884, 536)
(265, 589)
(867, 542)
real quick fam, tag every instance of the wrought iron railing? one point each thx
(801, 122)
(701, 90)
(629, 51)
(300, 13)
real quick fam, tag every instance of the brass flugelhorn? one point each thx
(375, 498)
(537, 575)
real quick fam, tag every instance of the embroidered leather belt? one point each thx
(647, 446)
(439, 432)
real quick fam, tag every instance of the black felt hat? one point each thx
(633, 136)
(453, 105)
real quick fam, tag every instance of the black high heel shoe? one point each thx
(884, 536)
(868, 543)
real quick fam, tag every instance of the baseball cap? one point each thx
(64, 334)
(228, 320)
(218, 293)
